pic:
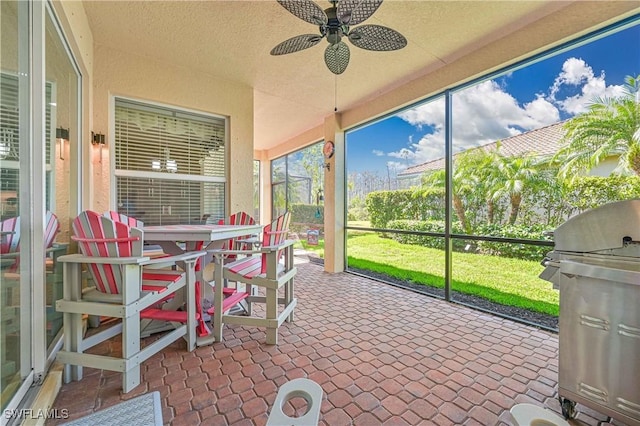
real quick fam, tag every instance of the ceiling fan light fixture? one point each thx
(334, 36)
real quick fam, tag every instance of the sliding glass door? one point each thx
(39, 189)
(15, 303)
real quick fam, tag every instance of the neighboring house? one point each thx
(543, 141)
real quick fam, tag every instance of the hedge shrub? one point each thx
(385, 206)
(306, 213)
(424, 226)
(592, 191)
(583, 193)
(518, 251)
(303, 217)
(410, 210)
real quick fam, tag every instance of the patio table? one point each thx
(197, 237)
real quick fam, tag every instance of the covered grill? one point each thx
(596, 266)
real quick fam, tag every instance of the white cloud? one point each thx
(544, 112)
(430, 147)
(579, 86)
(431, 114)
(404, 153)
(484, 113)
(487, 112)
(574, 71)
(377, 153)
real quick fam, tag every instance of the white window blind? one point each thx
(10, 143)
(170, 165)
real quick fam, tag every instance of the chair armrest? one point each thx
(282, 245)
(262, 250)
(253, 241)
(56, 249)
(192, 255)
(80, 258)
(224, 253)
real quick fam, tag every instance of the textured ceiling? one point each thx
(232, 40)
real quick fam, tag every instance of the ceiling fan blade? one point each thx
(352, 12)
(296, 43)
(377, 37)
(336, 56)
(305, 10)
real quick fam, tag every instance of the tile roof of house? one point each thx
(542, 141)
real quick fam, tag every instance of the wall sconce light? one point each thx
(98, 139)
(62, 135)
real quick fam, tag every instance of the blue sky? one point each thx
(537, 95)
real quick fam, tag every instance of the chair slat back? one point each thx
(127, 220)
(101, 236)
(239, 218)
(274, 234)
(51, 229)
(10, 242)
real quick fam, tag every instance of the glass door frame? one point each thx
(44, 354)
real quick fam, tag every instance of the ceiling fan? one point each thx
(335, 23)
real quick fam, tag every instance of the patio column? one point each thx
(334, 198)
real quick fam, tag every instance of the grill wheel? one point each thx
(568, 408)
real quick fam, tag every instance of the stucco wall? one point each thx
(120, 74)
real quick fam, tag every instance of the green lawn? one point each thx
(319, 249)
(506, 281)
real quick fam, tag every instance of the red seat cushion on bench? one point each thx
(230, 301)
(248, 267)
(159, 314)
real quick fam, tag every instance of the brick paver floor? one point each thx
(383, 356)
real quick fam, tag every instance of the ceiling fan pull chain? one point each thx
(335, 94)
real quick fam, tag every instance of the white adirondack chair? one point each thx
(269, 267)
(113, 254)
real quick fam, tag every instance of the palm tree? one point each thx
(490, 178)
(517, 174)
(610, 127)
(489, 175)
(467, 180)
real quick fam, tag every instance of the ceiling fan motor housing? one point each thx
(334, 29)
